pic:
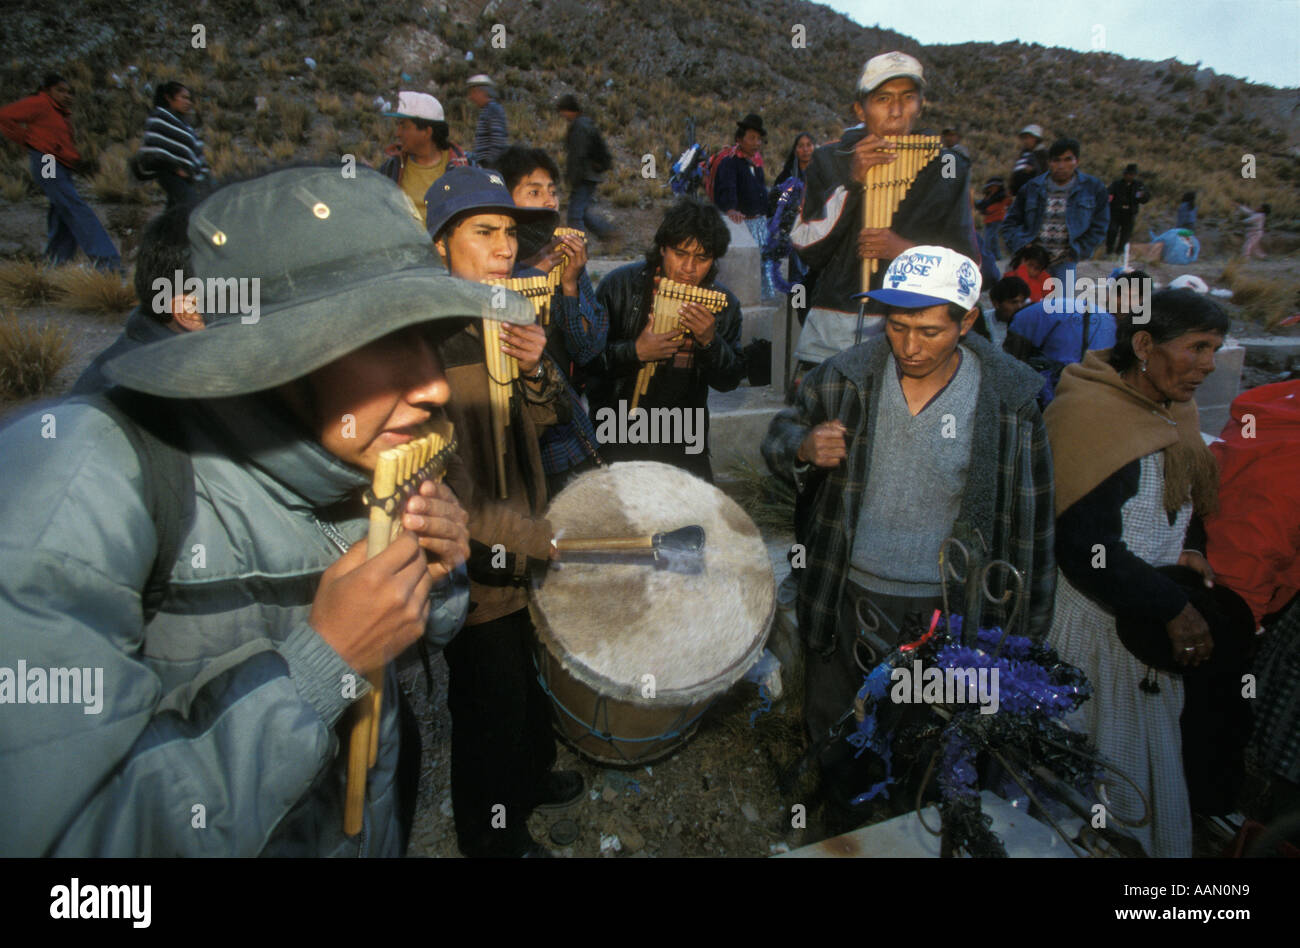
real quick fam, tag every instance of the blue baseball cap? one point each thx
(479, 189)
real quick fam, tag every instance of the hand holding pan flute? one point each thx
(440, 525)
(525, 343)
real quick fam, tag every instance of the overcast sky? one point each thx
(1257, 40)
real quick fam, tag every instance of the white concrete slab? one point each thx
(904, 837)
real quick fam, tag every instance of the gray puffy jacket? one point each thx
(209, 730)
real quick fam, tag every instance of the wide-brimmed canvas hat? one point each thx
(332, 263)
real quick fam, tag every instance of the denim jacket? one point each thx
(1087, 214)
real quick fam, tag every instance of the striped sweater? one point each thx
(169, 140)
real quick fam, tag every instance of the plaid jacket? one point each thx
(1008, 496)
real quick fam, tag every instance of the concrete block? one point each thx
(756, 323)
(1215, 395)
(739, 269)
(738, 422)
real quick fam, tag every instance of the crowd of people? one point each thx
(194, 532)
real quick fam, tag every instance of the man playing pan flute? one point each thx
(830, 236)
(579, 325)
(502, 747)
(211, 597)
(703, 353)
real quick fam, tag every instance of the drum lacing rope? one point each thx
(678, 728)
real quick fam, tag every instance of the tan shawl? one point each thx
(1098, 423)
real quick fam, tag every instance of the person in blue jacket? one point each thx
(1063, 210)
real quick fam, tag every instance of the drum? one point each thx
(634, 651)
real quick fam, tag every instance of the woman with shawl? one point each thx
(1133, 477)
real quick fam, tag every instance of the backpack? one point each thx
(166, 471)
(711, 172)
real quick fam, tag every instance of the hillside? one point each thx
(643, 69)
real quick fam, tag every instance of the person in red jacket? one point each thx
(41, 123)
(1253, 537)
(1254, 549)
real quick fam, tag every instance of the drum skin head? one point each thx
(612, 624)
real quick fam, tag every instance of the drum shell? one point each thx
(624, 728)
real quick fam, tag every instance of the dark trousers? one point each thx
(830, 684)
(581, 214)
(1118, 232)
(674, 454)
(561, 479)
(179, 190)
(70, 222)
(501, 740)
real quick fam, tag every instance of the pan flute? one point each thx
(887, 185)
(399, 473)
(665, 317)
(503, 369)
(557, 271)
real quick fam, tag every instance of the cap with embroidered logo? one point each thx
(929, 276)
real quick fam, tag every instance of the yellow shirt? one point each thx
(417, 179)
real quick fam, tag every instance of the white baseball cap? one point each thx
(417, 105)
(1035, 130)
(482, 79)
(886, 66)
(929, 276)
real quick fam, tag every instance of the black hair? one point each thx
(519, 161)
(51, 79)
(691, 219)
(1062, 145)
(1170, 314)
(164, 250)
(1267, 209)
(1189, 198)
(441, 131)
(165, 91)
(1034, 252)
(791, 159)
(1007, 288)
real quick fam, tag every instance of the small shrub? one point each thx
(1267, 300)
(330, 105)
(30, 357)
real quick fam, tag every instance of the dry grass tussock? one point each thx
(768, 501)
(26, 283)
(1265, 299)
(93, 291)
(31, 357)
(14, 188)
(113, 181)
